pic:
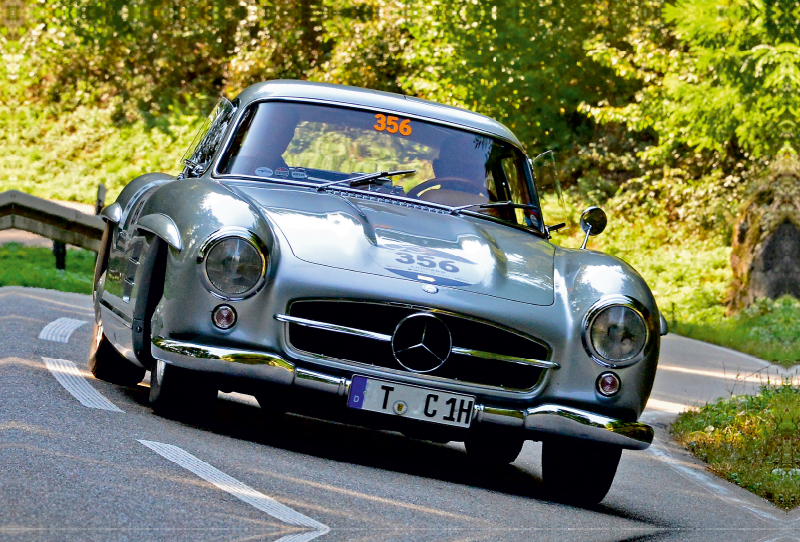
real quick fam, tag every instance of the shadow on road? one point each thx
(380, 449)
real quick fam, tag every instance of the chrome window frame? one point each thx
(220, 235)
(598, 307)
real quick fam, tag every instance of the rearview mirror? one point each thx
(593, 222)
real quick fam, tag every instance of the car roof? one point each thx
(377, 99)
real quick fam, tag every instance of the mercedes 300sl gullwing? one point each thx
(383, 260)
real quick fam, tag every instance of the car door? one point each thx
(128, 249)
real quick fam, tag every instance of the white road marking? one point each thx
(69, 376)
(701, 478)
(668, 406)
(60, 330)
(757, 377)
(240, 491)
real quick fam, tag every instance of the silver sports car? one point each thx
(381, 260)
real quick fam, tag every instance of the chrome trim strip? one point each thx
(435, 311)
(570, 422)
(125, 318)
(333, 327)
(499, 357)
(419, 379)
(388, 338)
(322, 382)
(201, 351)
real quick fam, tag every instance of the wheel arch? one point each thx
(163, 227)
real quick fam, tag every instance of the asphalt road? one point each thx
(70, 472)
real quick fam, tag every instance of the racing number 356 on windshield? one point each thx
(391, 125)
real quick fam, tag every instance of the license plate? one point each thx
(411, 401)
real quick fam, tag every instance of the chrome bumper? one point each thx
(541, 419)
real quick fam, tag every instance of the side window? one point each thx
(518, 192)
(232, 158)
(209, 138)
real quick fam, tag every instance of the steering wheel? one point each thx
(459, 184)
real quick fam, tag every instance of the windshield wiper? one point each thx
(367, 178)
(494, 205)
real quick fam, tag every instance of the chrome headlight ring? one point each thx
(224, 234)
(607, 302)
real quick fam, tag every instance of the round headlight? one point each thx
(618, 333)
(234, 266)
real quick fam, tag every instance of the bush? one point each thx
(751, 441)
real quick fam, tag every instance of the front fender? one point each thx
(198, 208)
(583, 278)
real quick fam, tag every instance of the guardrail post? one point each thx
(60, 250)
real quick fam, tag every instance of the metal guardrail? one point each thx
(22, 211)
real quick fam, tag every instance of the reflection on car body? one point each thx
(264, 268)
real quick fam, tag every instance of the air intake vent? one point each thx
(473, 342)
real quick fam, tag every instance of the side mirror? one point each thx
(593, 222)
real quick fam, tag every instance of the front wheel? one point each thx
(578, 471)
(107, 364)
(174, 390)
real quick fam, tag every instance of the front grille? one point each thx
(381, 318)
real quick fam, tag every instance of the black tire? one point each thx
(578, 471)
(175, 391)
(493, 447)
(107, 364)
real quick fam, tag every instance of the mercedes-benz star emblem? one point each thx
(421, 342)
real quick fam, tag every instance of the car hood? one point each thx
(414, 244)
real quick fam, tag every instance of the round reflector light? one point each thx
(608, 384)
(224, 317)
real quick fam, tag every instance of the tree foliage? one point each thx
(519, 61)
(718, 75)
(689, 96)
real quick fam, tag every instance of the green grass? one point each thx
(36, 267)
(750, 440)
(66, 156)
(768, 329)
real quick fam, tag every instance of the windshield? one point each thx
(321, 144)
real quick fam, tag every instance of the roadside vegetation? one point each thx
(66, 156)
(750, 440)
(36, 267)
